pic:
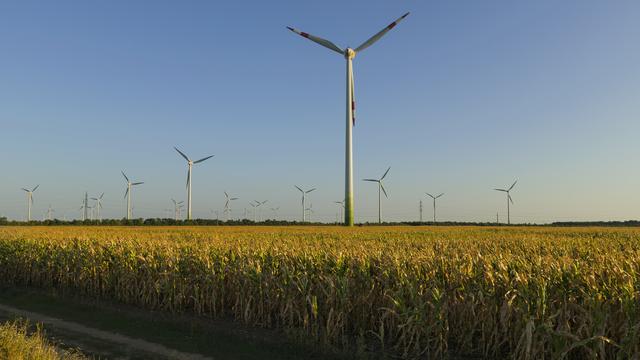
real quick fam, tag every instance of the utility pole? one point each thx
(420, 210)
(497, 219)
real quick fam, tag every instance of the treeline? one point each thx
(246, 222)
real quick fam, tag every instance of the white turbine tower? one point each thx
(509, 200)
(380, 187)
(190, 163)
(30, 200)
(227, 204)
(127, 194)
(434, 204)
(349, 54)
(98, 205)
(304, 196)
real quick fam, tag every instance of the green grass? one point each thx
(18, 341)
(218, 339)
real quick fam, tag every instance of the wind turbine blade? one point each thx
(439, 195)
(188, 179)
(138, 183)
(181, 153)
(385, 173)
(380, 34)
(25, 189)
(264, 202)
(226, 195)
(326, 43)
(503, 190)
(430, 195)
(101, 196)
(372, 180)
(96, 199)
(383, 190)
(308, 191)
(37, 186)
(234, 198)
(298, 188)
(510, 199)
(125, 176)
(514, 184)
(203, 159)
(126, 192)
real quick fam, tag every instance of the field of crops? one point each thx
(413, 292)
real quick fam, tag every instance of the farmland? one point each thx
(413, 292)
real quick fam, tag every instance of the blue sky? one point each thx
(461, 97)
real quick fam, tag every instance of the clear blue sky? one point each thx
(461, 97)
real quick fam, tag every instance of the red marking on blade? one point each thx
(392, 25)
(304, 34)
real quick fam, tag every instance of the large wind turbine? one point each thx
(349, 54)
(190, 163)
(509, 199)
(304, 196)
(127, 193)
(434, 204)
(380, 187)
(30, 200)
(98, 205)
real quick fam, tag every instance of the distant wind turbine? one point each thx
(275, 212)
(30, 200)
(434, 204)
(341, 204)
(304, 196)
(190, 164)
(509, 200)
(349, 54)
(176, 208)
(50, 212)
(227, 204)
(127, 194)
(98, 205)
(380, 187)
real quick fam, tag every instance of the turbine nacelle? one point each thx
(349, 53)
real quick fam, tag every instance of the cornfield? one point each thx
(409, 292)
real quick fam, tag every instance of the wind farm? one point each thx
(276, 252)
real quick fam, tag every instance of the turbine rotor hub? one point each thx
(349, 53)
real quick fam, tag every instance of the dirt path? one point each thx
(108, 339)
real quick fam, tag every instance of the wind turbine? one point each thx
(254, 211)
(176, 210)
(50, 212)
(258, 208)
(434, 204)
(30, 200)
(341, 203)
(227, 204)
(304, 195)
(190, 163)
(349, 54)
(310, 210)
(380, 187)
(127, 193)
(275, 212)
(509, 200)
(98, 205)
